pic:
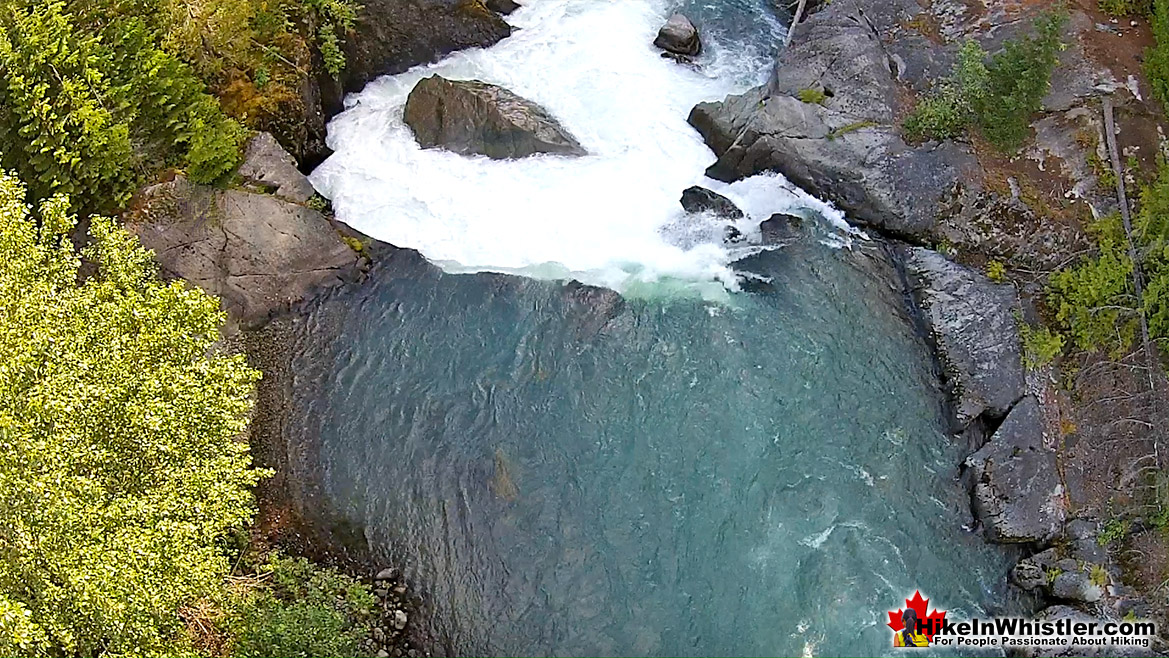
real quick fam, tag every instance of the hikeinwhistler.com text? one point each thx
(1023, 632)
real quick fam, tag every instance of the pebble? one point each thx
(389, 573)
(400, 619)
(381, 592)
(400, 590)
(382, 653)
(378, 634)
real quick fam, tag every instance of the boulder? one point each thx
(1076, 585)
(1031, 573)
(257, 252)
(679, 36)
(699, 199)
(780, 228)
(267, 165)
(972, 320)
(1017, 493)
(473, 117)
(504, 7)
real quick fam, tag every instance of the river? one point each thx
(697, 467)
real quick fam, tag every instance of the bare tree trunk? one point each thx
(795, 21)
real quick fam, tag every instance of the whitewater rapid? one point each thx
(611, 218)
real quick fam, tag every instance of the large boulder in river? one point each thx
(258, 253)
(973, 323)
(473, 117)
(699, 199)
(679, 36)
(1017, 492)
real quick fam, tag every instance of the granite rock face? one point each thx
(388, 37)
(257, 252)
(271, 169)
(972, 320)
(848, 148)
(1017, 493)
(477, 118)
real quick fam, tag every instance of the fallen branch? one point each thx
(795, 21)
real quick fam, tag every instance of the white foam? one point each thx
(611, 218)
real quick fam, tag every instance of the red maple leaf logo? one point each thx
(930, 623)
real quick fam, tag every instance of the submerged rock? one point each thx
(1017, 493)
(973, 323)
(270, 167)
(699, 199)
(502, 484)
(473, 117)
(257, 252)
(679, 36)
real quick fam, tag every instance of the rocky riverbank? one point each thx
(829, 120)
(268, 246)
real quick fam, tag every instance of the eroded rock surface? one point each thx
(973, 323)
(1016, 489)
(257, 252)
(270, 168)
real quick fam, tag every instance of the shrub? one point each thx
(1018, 78)
(1095, 300)
(1114, 530)
(83, 112)
(1040, 346)
(58, 127)
(996, 271)
(1125, 7)
(813, 96)
(1157, 56)
(301, 610)
(214, 143)
(947, 112)
(120, 463)
(998, 97)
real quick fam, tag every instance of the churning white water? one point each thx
(611, 218)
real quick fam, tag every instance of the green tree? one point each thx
(58, 123)
(121, 462)
(998, 97)
(1018, 78)
(1157, 56)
